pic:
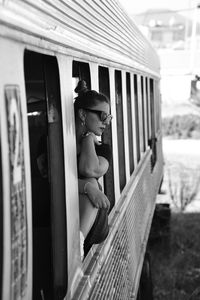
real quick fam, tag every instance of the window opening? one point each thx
(130, 122)
(80, 71)
(120, 129)
(137, 117)
(47, 176)
(147, 105)
(143, 114)
(153, 134)
(157, 87)
(104, 88)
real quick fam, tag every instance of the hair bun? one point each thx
(81, 88)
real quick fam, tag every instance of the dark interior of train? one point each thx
(38, 134)
(47, 175)
(104, 87)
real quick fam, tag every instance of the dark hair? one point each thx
(86, 98)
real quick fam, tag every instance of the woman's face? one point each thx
(97, 117)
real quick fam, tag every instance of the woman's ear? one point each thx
(82, 115)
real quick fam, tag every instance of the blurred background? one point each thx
(173, 28)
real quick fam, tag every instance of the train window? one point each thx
(147, 106)
(157, 88)
(137, 117)
(81, 71)
(47, 175)
(152, 141)
(130, 122)
(104, 87)
(120, 128)
(143, 114)
(152, 106)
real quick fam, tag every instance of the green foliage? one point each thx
(181, 127)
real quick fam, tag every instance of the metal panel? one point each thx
(102, 25)
(17, 228)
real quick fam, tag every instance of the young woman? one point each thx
(92, 115)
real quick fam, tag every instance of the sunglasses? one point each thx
(104, 117)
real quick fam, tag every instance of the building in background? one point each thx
(167, 29)
(177, 40)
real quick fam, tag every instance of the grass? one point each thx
(175, 259)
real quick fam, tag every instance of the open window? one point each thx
(81, 71)
(47, 176)
(153, 139)
(104, 88)
(148, 108)
(130, 121)
(143, 115)
(120, 129)
(137, 117)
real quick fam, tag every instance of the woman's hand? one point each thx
(91, 135)
(97, 197)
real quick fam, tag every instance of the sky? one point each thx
(138, 6)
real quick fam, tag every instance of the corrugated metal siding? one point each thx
(113, 282)
(102, 22)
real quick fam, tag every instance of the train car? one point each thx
(47, 46)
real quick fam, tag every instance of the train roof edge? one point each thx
(98, 28)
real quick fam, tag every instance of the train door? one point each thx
(47, 176)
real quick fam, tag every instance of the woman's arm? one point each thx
(89, 187)
(91, 165)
